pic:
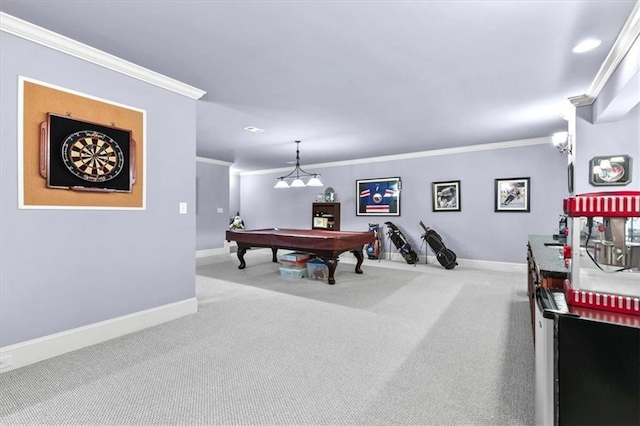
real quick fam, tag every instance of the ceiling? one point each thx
(352, 79)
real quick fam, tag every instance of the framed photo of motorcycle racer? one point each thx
(446, 196)
(512, 195)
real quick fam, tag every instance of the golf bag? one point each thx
(373, 248)
(401, 243)
(446, 257)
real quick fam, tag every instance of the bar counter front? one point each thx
(327, 245)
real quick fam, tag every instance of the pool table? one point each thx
(326, 245)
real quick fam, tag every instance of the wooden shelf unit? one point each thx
(325, 216)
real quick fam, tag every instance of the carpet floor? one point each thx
(396, 345)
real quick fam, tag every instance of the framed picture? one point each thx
(86, 156)
(90, 157)
(378, 197)
(446, 196)
(610, 170)
(512, 195)
(570, 177)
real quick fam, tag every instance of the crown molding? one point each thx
(628, 35)
(582, 100)
(44, 37)
(213, 161)
(413, 155)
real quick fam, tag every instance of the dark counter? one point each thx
(547, 259)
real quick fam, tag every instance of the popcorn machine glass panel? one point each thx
(603, 253)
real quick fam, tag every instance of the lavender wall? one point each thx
(234, 191)
(54, 278)
(212, 192)
(621, 93)
(610, 138)
(477, 232)
(611, 126)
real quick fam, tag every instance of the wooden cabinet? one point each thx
(535, 278)
(325, 216)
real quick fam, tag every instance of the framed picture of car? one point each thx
(512, 194)
(610, 170)
(445, 196)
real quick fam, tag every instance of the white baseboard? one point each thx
(205, 256)
(488, 265)
(32, 351)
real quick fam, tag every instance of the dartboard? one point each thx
(92, 156)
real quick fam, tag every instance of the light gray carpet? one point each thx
(396, 345)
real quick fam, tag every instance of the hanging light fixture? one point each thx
(296, 174)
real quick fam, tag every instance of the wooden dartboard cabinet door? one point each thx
(325, 216)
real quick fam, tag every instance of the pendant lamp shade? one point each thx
(281, 184)
(297, 174)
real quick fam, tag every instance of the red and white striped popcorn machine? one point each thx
(603, 252)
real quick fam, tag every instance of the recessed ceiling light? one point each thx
(586, 45)
(253, 129)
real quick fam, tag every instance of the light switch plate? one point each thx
(220, 210)
(183, 208)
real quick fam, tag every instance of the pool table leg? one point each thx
(274, 250)
(360, 259)
(331, 263)
(241, 251)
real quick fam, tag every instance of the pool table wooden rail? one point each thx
(327, 245)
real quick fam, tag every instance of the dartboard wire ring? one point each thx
(92, 156)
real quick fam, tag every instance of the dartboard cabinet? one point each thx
(86, 156)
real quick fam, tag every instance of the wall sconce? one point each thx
(562, 142)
